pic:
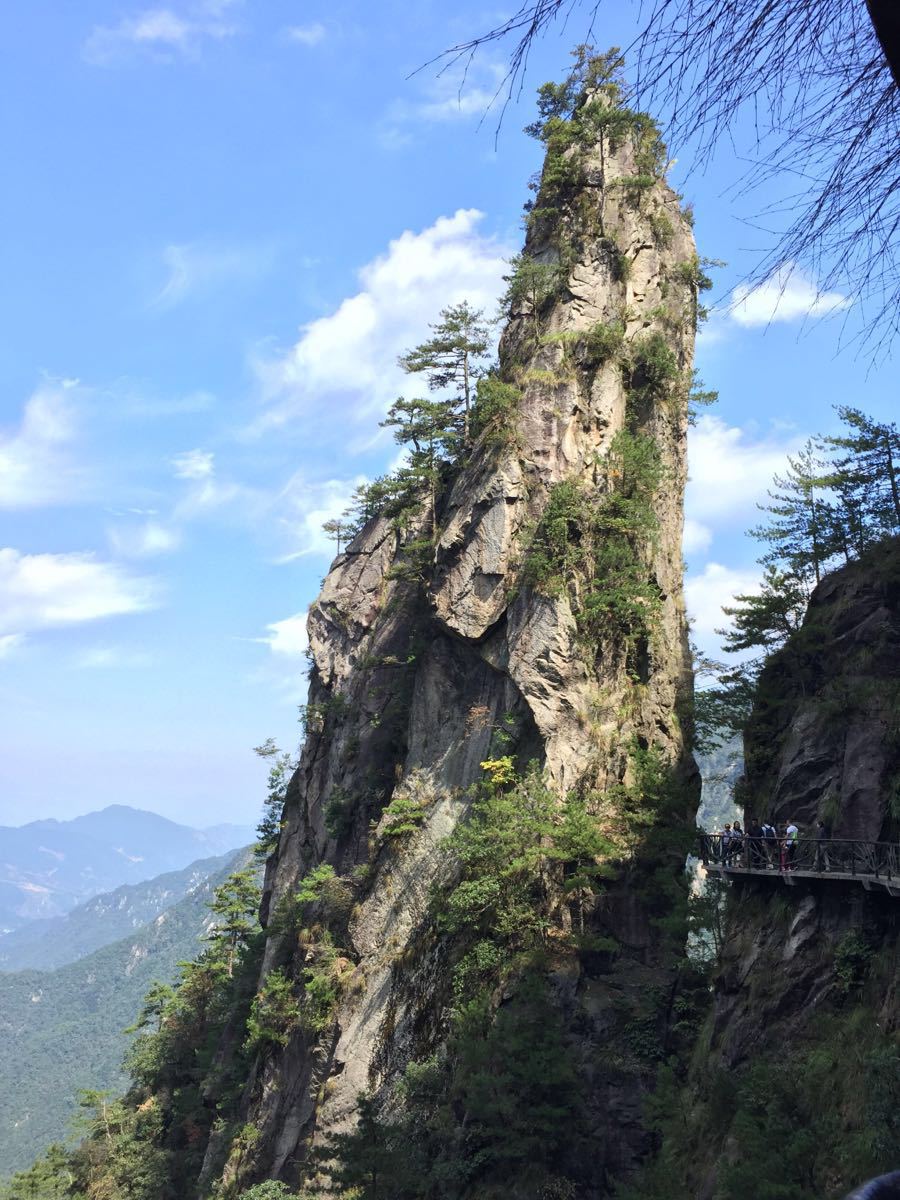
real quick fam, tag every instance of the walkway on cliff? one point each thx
(833, 860)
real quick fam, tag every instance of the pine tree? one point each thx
(337, 530)
(268, 830)
(801, 534)
(454, 358)
(426, 429)
(869, 471)
(767, 618)
(235, 903)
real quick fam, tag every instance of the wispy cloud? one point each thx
(194, 464)
(9, 643)
(303, 506)
(346, 363)
(110, 657)
(147, 539)
(461, 92)
(36, 463)
(207, 495)
(42, 591)
(788, 296)
(305, 35)
(196, 268)
(161, 34)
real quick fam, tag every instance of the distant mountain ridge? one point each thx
(61, 1030)
(44, 945)
(47, 867)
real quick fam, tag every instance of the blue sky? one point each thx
(222, 222)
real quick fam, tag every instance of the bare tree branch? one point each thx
(819, 78)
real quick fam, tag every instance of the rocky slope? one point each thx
(418, 680)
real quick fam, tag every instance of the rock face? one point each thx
(804, 1030)
(830, 706)
(414, 678)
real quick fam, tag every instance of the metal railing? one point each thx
(825, 856)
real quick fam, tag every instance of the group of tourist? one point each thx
(765, 845)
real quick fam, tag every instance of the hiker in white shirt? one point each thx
(790, 845)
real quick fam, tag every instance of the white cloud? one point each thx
(36, 466)
(707, 592)
(158, 33)
(697, 536)
(288, 637)
(193, 267)
(305, 35)
(788, 295)
(303, 509)
(105, 657)
(194, 464)
(145, 540)
(345, 365)
(40, 591)
(731, 469)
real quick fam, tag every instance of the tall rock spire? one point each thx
(546, 624)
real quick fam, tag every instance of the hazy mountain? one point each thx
(61, 1031)
(52, 942)
(48, 867)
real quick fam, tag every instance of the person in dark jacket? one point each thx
(755, 834)
(823, 837)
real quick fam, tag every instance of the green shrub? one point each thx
(408, 805)
(852, 958)
(274, 1013)
(339, 811)
(602, 342)
(653, 364)
(495, 409)
(662, 228)
(590, 545)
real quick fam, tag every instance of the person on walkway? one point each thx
(770, 841)
(755, 843)
(737, 842)
(823, 837)
(726, 843)
(782, 846)
(792, 833)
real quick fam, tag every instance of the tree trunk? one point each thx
(466, 442)
(885, 17)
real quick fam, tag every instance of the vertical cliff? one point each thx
(794, 1088)
(544, 623)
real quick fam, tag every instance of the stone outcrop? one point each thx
(414, 677)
